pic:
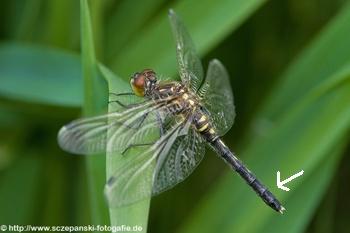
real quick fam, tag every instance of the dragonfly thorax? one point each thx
(178, 97)
(183, 102)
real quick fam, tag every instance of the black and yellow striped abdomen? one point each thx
(204, 127)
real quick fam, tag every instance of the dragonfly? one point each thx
(168, 123)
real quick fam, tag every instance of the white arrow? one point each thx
(281, 183)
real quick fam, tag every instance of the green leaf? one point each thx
(208, 24)
(327, 54)
(119, 32)
(135, 214)
(98, 9)
(60, 17)
(303, 126)
(23, 27)
(95, 102)
(40, 75)
(320, 180)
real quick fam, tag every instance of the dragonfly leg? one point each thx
(160, 124)
(126, 106)
(118, 101)
(119, 94)
(136, 145)
(136, 125)
(143, 118)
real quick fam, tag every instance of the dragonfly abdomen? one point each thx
(204, 127)
(247, 175)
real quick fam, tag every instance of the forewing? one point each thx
(111, 132)
(190, 66)
(217, 97)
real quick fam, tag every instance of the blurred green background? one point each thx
(289, 63)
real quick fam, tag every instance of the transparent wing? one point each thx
(114, 131)
(183, 157)
(217, 97)
(190, 66)
(164, 164)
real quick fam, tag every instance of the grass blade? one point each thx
(137, 213)
(119, 32)
(59, 24)
(319, 180)
(24, 26)
(95, 101)
(42, 73)
(328, 53)
(154, 47)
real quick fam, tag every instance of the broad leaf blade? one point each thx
(50, 72)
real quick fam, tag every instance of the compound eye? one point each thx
(137, 83)
(150, 74)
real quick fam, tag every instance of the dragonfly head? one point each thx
(142, 83)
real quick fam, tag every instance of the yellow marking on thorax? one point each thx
(211, 131)
(176, 102)
(187, 97)
(204, 127)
